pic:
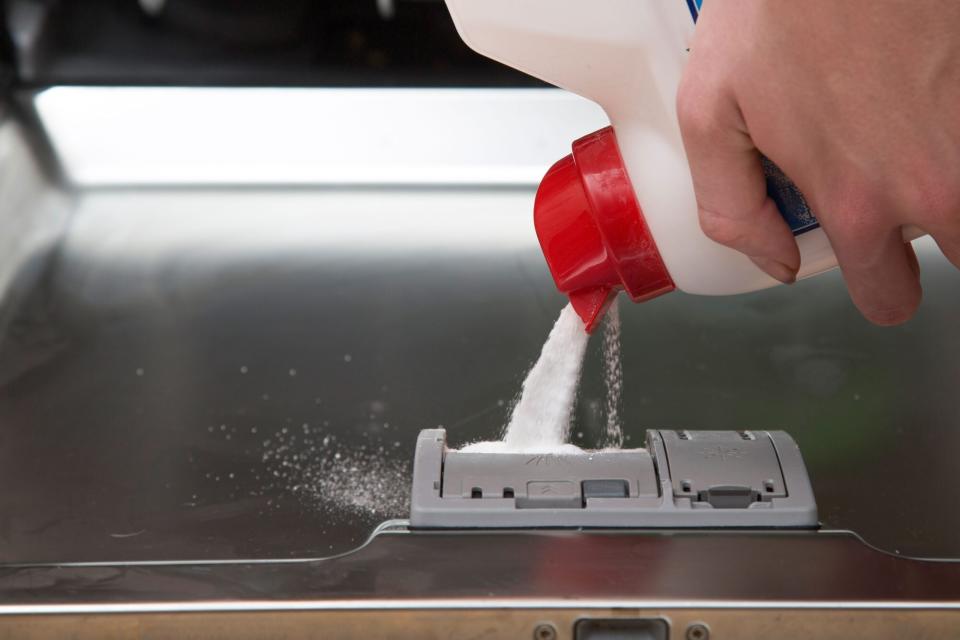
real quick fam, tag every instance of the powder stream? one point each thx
(541, 418)
(612, 379)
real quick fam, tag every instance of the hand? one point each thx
(858, 101)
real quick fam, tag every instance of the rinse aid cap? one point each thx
(592, 231)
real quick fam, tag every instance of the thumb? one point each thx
(728, 180)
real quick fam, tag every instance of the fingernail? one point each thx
(777, 269)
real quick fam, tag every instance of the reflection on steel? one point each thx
(119, 136)
(165, 314)
(796, 569)
(191, 285)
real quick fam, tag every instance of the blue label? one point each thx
(791, 203)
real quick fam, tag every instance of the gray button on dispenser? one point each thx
(546, 494)
(605, 489)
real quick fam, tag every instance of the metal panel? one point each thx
(514, 570)
(720, 624)
(123, 374)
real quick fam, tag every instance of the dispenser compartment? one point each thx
(682, 479)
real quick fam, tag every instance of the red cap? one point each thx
(592, 231)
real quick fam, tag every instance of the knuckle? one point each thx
(858, 226)
(856, 214)
(935, 200)
(721, 229)
(696, 110)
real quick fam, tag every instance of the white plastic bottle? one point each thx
(620, 212)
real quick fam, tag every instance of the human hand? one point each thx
(859, 103)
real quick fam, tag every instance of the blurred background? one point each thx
(248, 250)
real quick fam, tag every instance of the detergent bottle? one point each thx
(620, 212)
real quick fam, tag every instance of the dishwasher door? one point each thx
(220, 371)
(216, 356)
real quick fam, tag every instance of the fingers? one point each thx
(880, 269)
(950, 246)
(944, 228)
(729, 183)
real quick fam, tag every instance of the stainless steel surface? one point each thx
(160, 356)
(33, 212)
(511, 569)
(122, 375)
(331, 137)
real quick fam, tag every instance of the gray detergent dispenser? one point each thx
(708, 479)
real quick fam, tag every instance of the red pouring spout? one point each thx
(592, 231)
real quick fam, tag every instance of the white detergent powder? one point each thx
(360, 480)
(313, 465)
(612, 379)
(541, 418)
